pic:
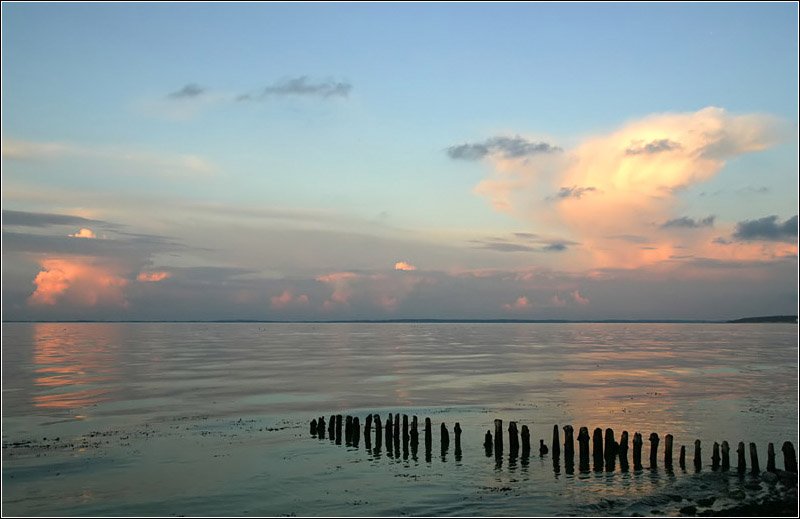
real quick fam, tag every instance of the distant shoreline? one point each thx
(786, 319)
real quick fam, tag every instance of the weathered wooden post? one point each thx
(583, 449)
(355, 432)
(487, 444)
(653, 450)
(742, 465)
(698, 460)
(623, 451)
(389, 428)
(542, 448)
(378, 428)
(789, 457)
(348, 429)
(726, 455)
(332, 427)
(755, 467)
(513, 439)
(771, 458)
(428, 437)
(526, 441)
(668, 439)
(444, 441)
(414, 432)
(405, 436)
(313, 429)
(556, 445)
(397, 426)
(457, 433)
(321, 427)
(715, 457)
(597, 449)
(338, 429)
(569, 444)
(682, 459)
(637, 451)
(498, 437)
(610, 449)
(368, 425)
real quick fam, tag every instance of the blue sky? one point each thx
(277, 192)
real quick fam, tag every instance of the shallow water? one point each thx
(208, 419)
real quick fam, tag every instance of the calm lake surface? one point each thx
(213, 419)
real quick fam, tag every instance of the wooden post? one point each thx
(556, 446)
(726, 455)
(498, 437)
(367, 425)
(338, 429)
(742, 465)
(668, 439)
(698, 460)
(321, 428)
(682, 460)
(610, 449)
(445, 440)
(789, 457)
(623, 451)
(332, 427)
(770, 457)
(653, 450)
(542, 448)
(597, 449)
(348, 429)
(397, 426)
(313, 429)
(405, 429)
(715, 457)
(378, 428)
(526, 441)
(637, 451)
(355, 432)
(389, 432)
(583, 449)
(428, 439)
(569, 444)
(414, 432)
(755, 467)
(513, 439)
(487, 443)
(457, 433)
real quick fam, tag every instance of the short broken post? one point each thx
(682, 458)
(321, 428)
(513, 439)
(457, 434)
(698, 460)
(597, 449)
(498, 437)
(755, 468)
(526, 441)
(742, 465)
(444, 441)
(789, 457)
(654, 441)
(726, 455)
(771, 458)
(668, 439)
(610, 448)
(623, 451)
(313, 429)
(583, 449)
(637, 451)
(488, 443)
(715, 457)
(556, 446)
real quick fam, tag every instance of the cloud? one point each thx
(684, 222)
(187, 92)
(301, 86)
(287, 299)
(506, 147)
(84, 233)
(631, 190)
(767, 229)
(402, 265)
(555, 247)
(657, 146)
(153, 277)
(82, 282)
(573, 192)
(578, 298)
(28, 219)
(500, 246)
(521, 303)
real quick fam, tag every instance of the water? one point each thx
(213, 419)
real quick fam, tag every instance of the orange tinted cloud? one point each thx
(402, 265)
(287, 299)
(152, 277)
(84, 233)
(578, 298)
(78, 281)
(521, 303)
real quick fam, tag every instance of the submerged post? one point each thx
(755, 468)
(623, 451)
(715, 457)
(770, 457)
(726, 455)
(498, 436)
(637, 451)
(513, 439)
(583, 449)
(668, 451)
(789, 457)
(682, 460)
(597, 449)
(742, 465)
(556, 443)
(653, 450)
(526, 441)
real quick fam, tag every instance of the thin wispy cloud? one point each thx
(301, 86)
(506, 147)
(684, 222)
(187, 92)
(656, 146)
(573, 192)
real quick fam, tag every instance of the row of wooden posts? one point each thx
(605, 450)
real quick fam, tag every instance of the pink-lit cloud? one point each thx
(521, 303)
(153, 277)
(287, 299)
(78, 281)
(84, 233)
(578, 298)
(402, 265)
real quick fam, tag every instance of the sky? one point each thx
(320, 161)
